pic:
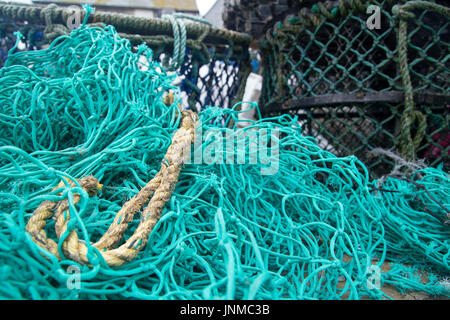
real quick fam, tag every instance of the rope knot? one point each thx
(54, 31)
(51, 172)
(145, 267)
(49, 13)
(336, 264)
(399, 12)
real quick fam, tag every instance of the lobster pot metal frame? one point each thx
(212, 71)
(357, 89)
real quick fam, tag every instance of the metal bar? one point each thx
(360, 97)
(339, 115)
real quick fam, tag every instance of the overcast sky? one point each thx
(204, 5)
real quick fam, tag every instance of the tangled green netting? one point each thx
(89, 104)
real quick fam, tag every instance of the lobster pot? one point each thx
(340, 73)
(212, 65)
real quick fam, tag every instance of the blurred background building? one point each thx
(142, 8)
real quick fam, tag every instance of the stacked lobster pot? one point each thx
(212, 64)
(365, 78)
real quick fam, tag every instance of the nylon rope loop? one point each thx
(53, 31)
(408, 144)
(161, 187)
(180, 38)
(403, 13)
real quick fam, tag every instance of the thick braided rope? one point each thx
(409, 144)
(406, 144)
(37, 222)
(121, 220)
(283, 236)
(319, 12)
(314, 16)
(424, 5)
(160, 186)
(130, 24)
(52, 31)
(193, 18)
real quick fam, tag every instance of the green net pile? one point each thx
(317, 229)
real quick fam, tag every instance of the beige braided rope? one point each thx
(121, 220)
(36, 224)
(161, 186)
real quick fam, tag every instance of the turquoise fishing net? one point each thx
(317, 229)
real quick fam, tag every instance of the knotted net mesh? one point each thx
(317, 228)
